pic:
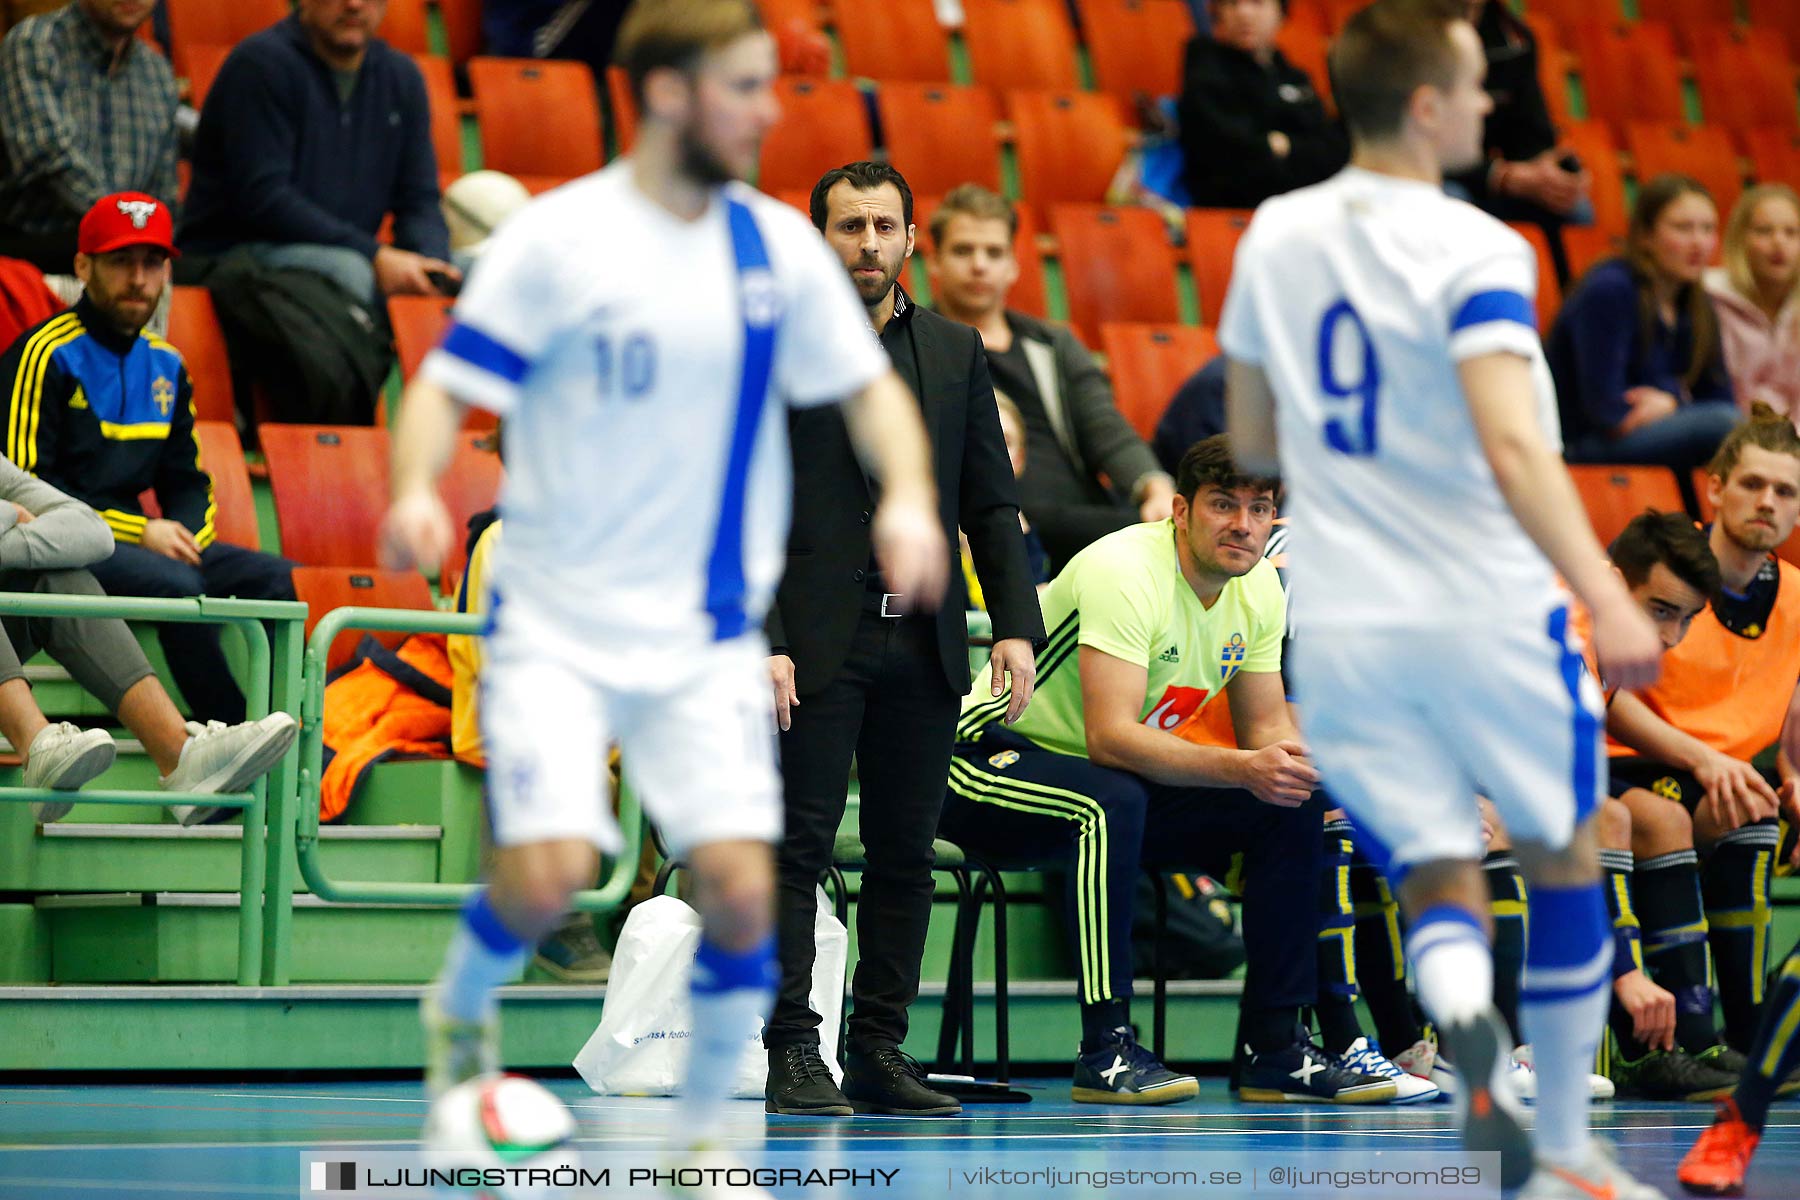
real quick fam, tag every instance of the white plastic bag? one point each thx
(640, 1047)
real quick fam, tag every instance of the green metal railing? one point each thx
(264, 685)
(303, 825)
(281, 847)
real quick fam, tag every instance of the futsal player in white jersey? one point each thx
(1382, 337)
(643, 330)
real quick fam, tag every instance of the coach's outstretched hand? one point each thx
(909, 544)
(415, 533)
(1628, 646)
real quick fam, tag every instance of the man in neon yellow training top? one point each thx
(1148, 626)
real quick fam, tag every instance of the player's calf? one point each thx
(735, 975)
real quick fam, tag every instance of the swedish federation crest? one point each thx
(1231, 657)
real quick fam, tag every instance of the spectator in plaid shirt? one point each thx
(85, 110)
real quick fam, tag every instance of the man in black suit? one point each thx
(856, 674)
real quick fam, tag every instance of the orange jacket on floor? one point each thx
(390, 702)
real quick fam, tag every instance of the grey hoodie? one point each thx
(63, 533)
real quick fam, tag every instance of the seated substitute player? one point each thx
(1729, 692)
(644, 330)
(1148, 625)
(1670, 572)
(1433, 658)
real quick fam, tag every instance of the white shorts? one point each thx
(696, 735)
(1409, 726)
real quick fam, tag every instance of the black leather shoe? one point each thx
(889, 1080)
(799, 1084)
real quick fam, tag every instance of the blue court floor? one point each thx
(217, 1140)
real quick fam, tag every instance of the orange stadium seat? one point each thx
(1743, 83)
(471, 485)
(1309, 14)
(892, 39)
(1567, 12)
(1613, 495)
(940, 136)
(1116, 266)
(1783, 16)
(1629, 72)
(1309, 49)
(1069, 145)
(1553, 68)
(222, 454)
(1702, 151)
(1585, 245)
(203, 62)
(1028, 295)
(1212, 238)
(194, 330)
(539, 119)
(419, 323)
(1788, 551)
(327, 526)
(798, 199)
(780, 14)
(462, 27)
(1020, 44)
(1148, 363)
(1683, 13)
(1339, 11)
(217, 23)
(1136, 46)
(825, 124)
(1594, 144)
(406, 27)
(322, 589)
(624, 108)
(1760, 38)
(1549, 291)
(446, 122)
(1774, 155)
(222, 457)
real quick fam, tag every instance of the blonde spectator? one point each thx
(1757, 295)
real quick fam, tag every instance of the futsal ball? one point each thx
(502, 1136)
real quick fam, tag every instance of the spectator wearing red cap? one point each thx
(85, 109)
(103, 410)
(314, 131)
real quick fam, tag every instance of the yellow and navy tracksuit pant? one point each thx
(1017, 805)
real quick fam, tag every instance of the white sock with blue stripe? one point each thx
(483, 954)
(1453, 965)
(731, 995)
(1568, 986)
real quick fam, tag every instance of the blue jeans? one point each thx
(343, 266)
(1685, 439)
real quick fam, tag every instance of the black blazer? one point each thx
(821, 596)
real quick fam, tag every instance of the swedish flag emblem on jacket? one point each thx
(106, 417)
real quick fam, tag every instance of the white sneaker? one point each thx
(227, 758)
(1421, 1062)
(1364, 1059)
(701, 1174)
(1599, 1174)
(1524, 1079)
(65, 756)
(455, 1050)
